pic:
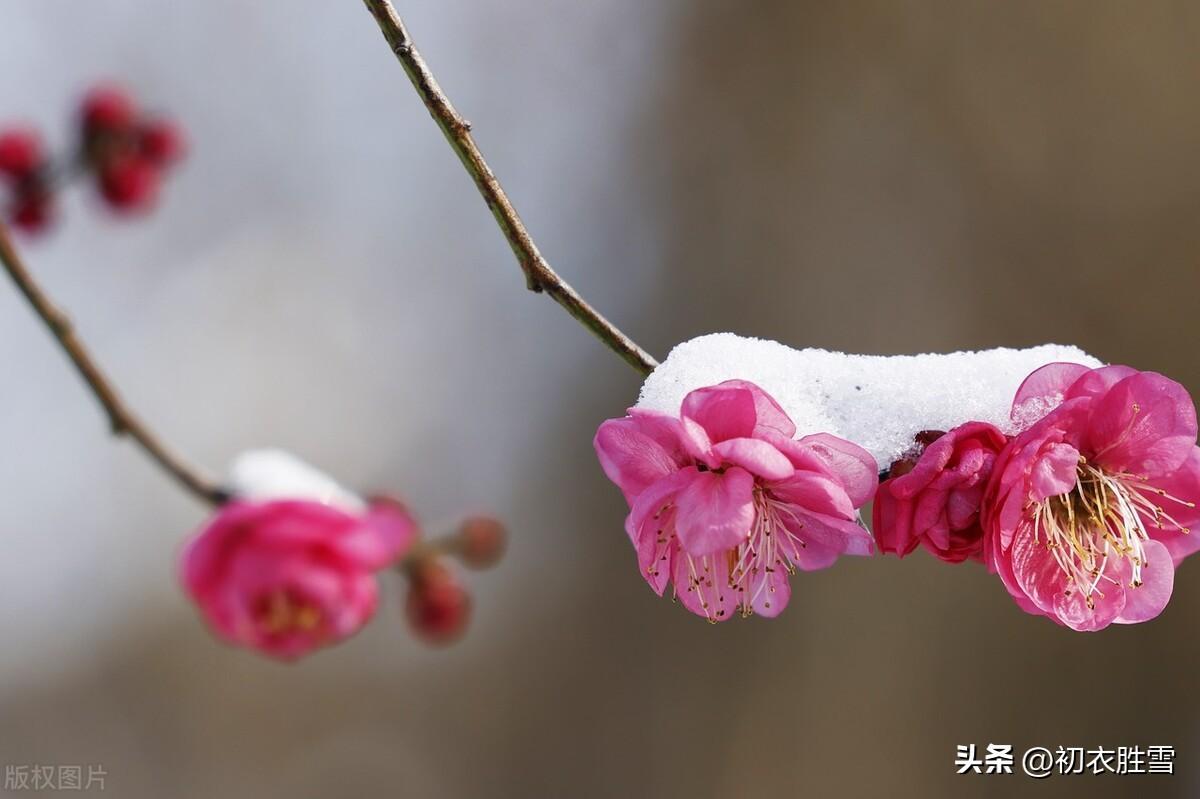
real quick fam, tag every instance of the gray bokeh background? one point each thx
(874, 177)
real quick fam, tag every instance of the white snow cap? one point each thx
(878, 402)
(264, 474)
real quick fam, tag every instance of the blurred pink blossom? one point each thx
(286, 576)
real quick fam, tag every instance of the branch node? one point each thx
(59, 322)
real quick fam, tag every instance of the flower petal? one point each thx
(1158, 580)
(702, 585)
(630, 458)
(1145, 424)
(755, 456)
(839, 535)
(1097, 382)
(891, 522)
(768, 414)
(1054, 472)
(770, 591)
(714, 511)
(723, 411)
(1043, 390)
(850, 463)
(814, 492)
(1182, 503)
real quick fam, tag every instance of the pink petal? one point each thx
(891, 521)
(723, 411)
(829, 532)
(1145, 424)
(814, 557)
(656, 554)
(814, 492)
(1097, 382)
(850, 463)
(630, 458)
(1054, 472)
(755, 456)
(1158, 579)
(770, 591)
(1044, 389)
(664, 428)
(714, 511)
(1035, 570)
(653, 501)
(697, 443)
(384, 534)
(1047, 586)
(768, 414)
(962, 507)
(702, 586)
(1183, 484)
(929, 517)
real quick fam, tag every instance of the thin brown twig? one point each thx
(121, 419)
(539, 276)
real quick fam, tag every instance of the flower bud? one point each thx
(438, 607)
(482, 541)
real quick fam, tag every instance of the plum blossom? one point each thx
(286, 572)
(932, 498)
(1091, 506)
(726, 504)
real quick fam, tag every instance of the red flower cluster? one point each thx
(125, 149)
(25, 166)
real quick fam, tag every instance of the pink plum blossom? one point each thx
(933, 498)
(286, 576)
(1090, 507)
(726, 504)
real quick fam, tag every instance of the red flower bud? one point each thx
(482, 541)
(33, 211)
(438, 607)
(20, 152)
(161, 142)
(129, 184)
(107, 109)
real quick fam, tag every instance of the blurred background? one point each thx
(870, 177)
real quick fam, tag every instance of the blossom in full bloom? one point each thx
(1090, 508)
(289, 564)
(726, 504)
(932, 498)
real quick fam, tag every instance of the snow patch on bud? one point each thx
(266, 474)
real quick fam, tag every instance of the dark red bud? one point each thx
(21, 152)
(129, 183)
(482, 541)
(107, 109)
(161, 142)
(438, 607)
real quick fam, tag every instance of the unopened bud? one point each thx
(438, 607)
(482, 541)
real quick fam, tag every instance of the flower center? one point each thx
(1099, 523)
(279, 613)
(747, 574)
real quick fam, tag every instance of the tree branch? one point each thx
(122, 421)
(539, 276)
